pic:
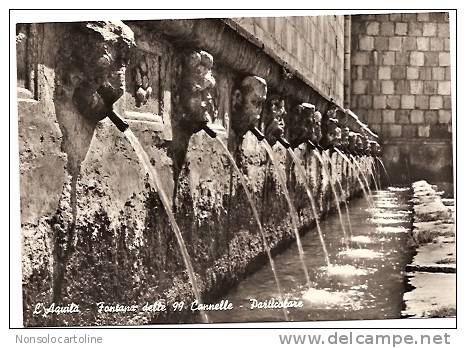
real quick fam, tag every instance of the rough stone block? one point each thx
(380, 102)
(373, 28)
(370, 72)
(366, 43)
(431, 59)
(436, 44)
(444, 58)
(398, 73)
(417, 116)
(409, 131)
(446, 44)
(394, 43)
(385, 73)
(393, 101)
(431, 116)
(416, 87)
(395, 17)
(376, 128)
(388, 116)
(407, 101)
(401, 58)
(443, 30)
(425, 73)
(435, 102)
(441, 131)
(447, 73)
(447, 102)
(365, 101)
(374, 117)
(409, 17)
(359, 87)
(422, 43)
(394, 130)
(402, 117)
(387, 29)
(414, 28)
(444, 116)
(439, 17)
(402, 87)
(429, 29)
(401, 28)
(388, 58)
(423, 131)
(373, 87)
(409, 43)
(381, 43)
(360, 58)
(430, 87)
(422, 102)
(423, 17)
(444, 88)
(388, 87)
(438, 74)
(412, 73)
(416, 58)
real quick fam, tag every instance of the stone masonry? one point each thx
(311, 45)
(400, 66)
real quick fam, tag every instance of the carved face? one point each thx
(317, 130)
(101, 68)
(273, 119)
(195, 92)
(353, 142)
(360, 146)
(332, 134)
(345, 138)
(248, 101)
(301, 124)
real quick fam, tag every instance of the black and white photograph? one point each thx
(258, 169)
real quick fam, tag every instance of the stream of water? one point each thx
(155, 180)
(372, 288)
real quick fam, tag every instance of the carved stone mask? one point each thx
(331, 133)
(99, 56)
(273, 119)
(300, 124)
(248, 101)
(317, 130)
(197, 83)
(377, 150)
(360, 144)
(345, 138)
(353, 142)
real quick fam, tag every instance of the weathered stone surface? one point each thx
(434, 236)
(93, 226)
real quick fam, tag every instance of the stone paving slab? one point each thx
(432, 271)
(433, 293)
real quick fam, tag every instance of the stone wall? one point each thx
(400, 67)
(312, 45)
(93, 226)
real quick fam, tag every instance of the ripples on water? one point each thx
(360, 253)
(346, 270)
(363, 282)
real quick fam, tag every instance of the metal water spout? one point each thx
(106, 92)
(247, 102)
